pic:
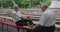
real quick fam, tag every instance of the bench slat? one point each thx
(9, 23)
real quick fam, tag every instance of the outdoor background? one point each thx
(26, 6)
(23, 3)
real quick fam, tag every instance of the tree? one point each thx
(25, 3)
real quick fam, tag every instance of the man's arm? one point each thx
(42, 20)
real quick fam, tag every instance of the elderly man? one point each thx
(20, 20)
(47, 21)
(17, 15)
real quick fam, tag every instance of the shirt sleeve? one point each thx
(19, 14)
(43, 19)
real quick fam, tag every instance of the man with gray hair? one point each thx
(20, 20)
(16, 14)
(47, 21)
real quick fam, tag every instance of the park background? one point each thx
(27, 7)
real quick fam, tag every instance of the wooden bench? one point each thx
(12, 24)
(57, 25)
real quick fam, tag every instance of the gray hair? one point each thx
(44, 5)
(15, 6)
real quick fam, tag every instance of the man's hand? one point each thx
(19, 18)
(23, 17)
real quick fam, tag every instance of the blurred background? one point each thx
(27, 7)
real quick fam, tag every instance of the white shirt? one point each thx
(16, 15)
(47, 18)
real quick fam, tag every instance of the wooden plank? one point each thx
(7, 17)
(57, 26)
(12, 24)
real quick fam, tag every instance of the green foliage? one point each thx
(7, 3)
(48, 2)
(24, 3)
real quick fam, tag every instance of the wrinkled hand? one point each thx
(23, 17)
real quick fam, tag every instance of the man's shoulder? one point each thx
(49, 12)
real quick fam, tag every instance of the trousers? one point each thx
(44, 29)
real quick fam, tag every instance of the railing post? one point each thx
(7, 29)
(2, 28)
(18, 29)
